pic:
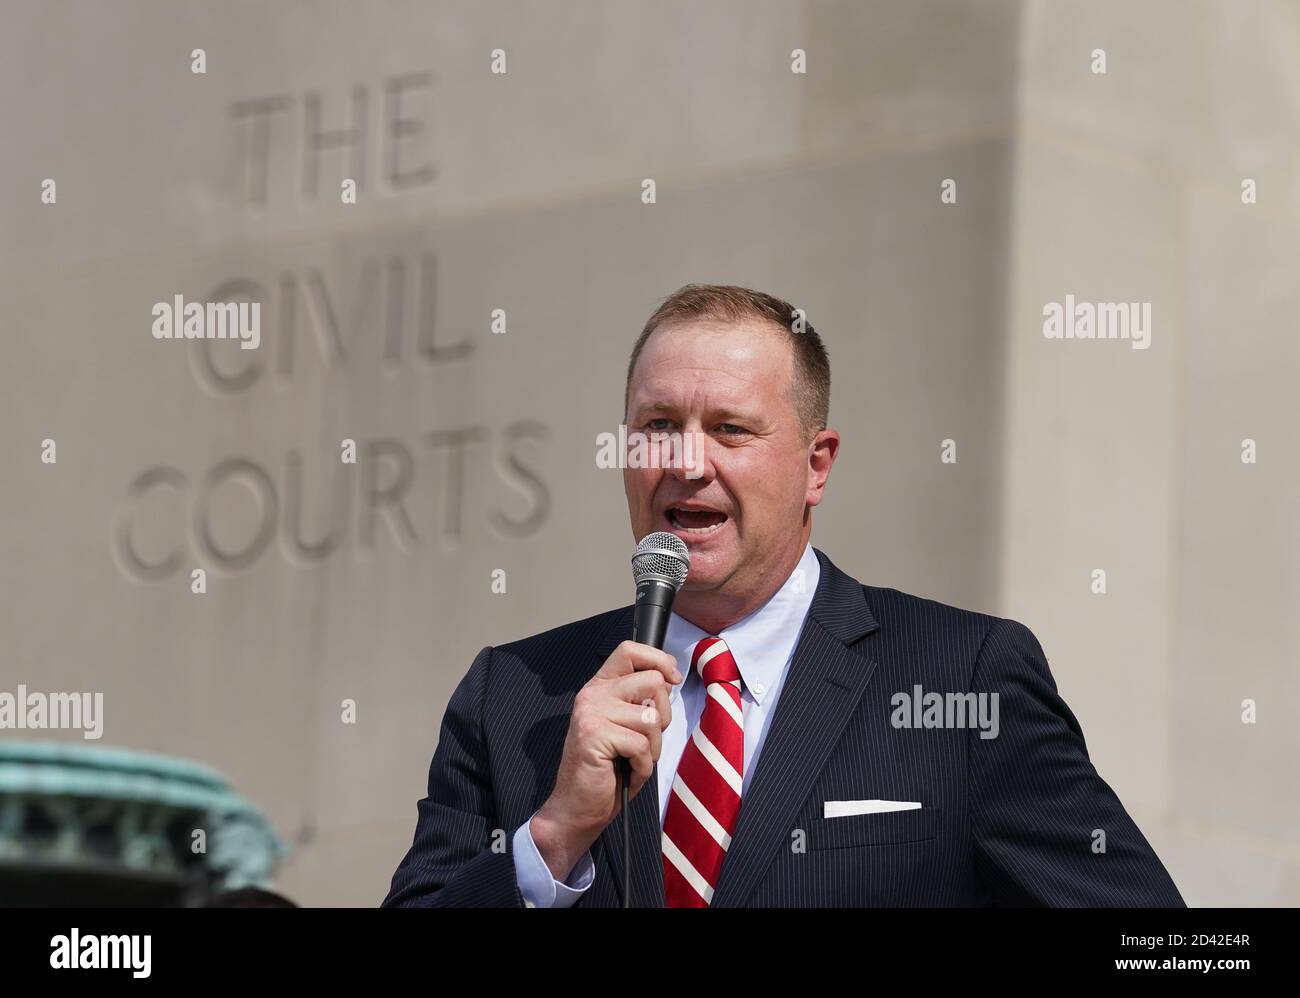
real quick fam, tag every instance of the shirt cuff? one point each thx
(538, 887)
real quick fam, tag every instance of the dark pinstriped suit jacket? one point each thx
(1009, 820)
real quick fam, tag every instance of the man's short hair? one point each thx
(726, 303)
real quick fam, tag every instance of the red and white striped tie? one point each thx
(705, 798)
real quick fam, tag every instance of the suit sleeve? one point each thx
(1038, 804)
(451, 862)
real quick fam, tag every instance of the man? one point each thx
(774, 755)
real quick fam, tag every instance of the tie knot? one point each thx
(713, 659)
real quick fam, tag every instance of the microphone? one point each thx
(659, 568)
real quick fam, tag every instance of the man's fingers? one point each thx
(639, 687)
(634, 747)
(631, 656)
(642, 719)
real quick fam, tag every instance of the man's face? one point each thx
(742, 515)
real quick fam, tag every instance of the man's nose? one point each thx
(693, 461)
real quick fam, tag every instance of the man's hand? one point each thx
(621, 712)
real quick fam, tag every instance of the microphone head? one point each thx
(661, 555)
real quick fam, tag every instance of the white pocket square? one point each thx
(843, 808)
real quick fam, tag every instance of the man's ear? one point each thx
(823, 450)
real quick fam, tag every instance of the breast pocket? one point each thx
(886, 828)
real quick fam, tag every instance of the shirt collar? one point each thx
(762, 641)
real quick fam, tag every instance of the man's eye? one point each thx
(731, 428)
(651, 424)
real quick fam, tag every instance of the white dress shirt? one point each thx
(762, 645)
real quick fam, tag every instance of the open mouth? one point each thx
(697, 522)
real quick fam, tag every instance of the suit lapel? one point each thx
(822, 688)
